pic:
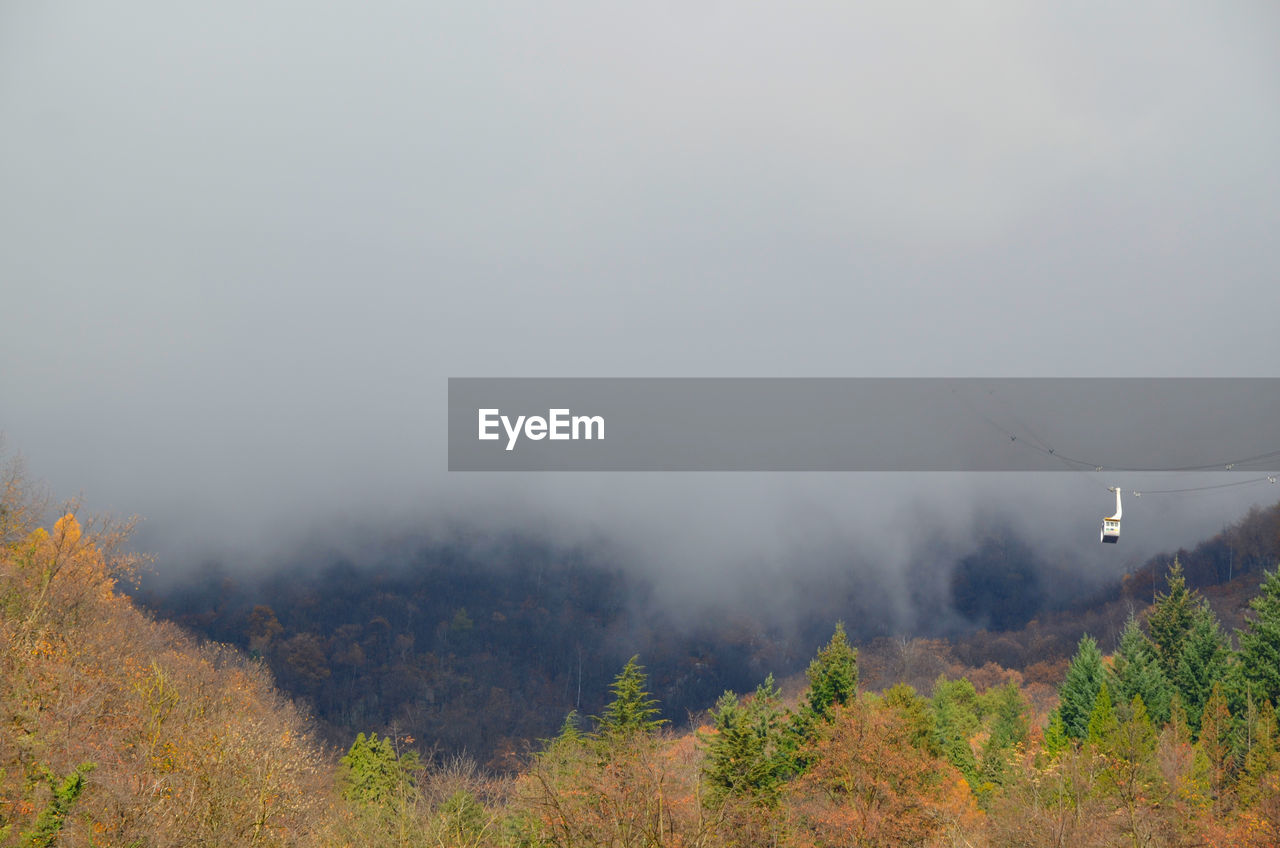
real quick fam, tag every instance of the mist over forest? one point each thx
(484, 641)
(244, 248)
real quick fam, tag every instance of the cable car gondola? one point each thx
(1111, 524)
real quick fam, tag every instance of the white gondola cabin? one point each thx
(1111, 524)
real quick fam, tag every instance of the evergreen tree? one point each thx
(833, 675)
(1008, 710)
(833, 682)
(744, 756)
(1129, 748)
(1179, 726)
(632, 711)
(48, 825)
(1170, 619)
(1009, 716)
(460, 820)
(1136, 670)
(1080, 688)
(1263, 756)
(1056, 739)
(1142, 733)
(374, 774)
(1203, 662)
(1259, 656)
(955, 721)
(917, 711)
(570, 730)
(566, 746)
(570, 734)
(1103, 724)
(1215, 741)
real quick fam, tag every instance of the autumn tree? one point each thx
(868, 785)
(20, 504)
(1181, 807)
(632, 785)
(1262, 757)
(467, 807)
(193, 745)
(1131, 775)
(1215, 745)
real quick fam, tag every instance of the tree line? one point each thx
(118, 730)
(1169, 741)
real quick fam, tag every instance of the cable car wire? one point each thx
(1044, 448)
(1270, 478)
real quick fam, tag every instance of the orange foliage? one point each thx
(870, 787)
(191, 745)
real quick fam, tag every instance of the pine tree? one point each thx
(374, 773)
(1080, 688)
(566, 746)
(1136, 671)
(1009, 716)
(833, 682)
(1215, 741)
(744, 756)
(1008, 710)
(1259, 657)
(460, 820)
(833, 675)
(1142, 733)
(1129, 748)
(1103, 724)
(1056, 739)
(955, 721)
(1179, 726)
(1263, 756)
(632, 711)
(570, 731)
(1203, 662)
(916, 711)
(1170, 619)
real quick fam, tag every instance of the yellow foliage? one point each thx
(88, 678)
(66, 532)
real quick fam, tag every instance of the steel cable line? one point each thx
(1042, 447)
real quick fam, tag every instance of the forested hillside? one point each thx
(485, 648)
(118, 730)
(470, 655)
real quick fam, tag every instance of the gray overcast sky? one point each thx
(242, 245)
